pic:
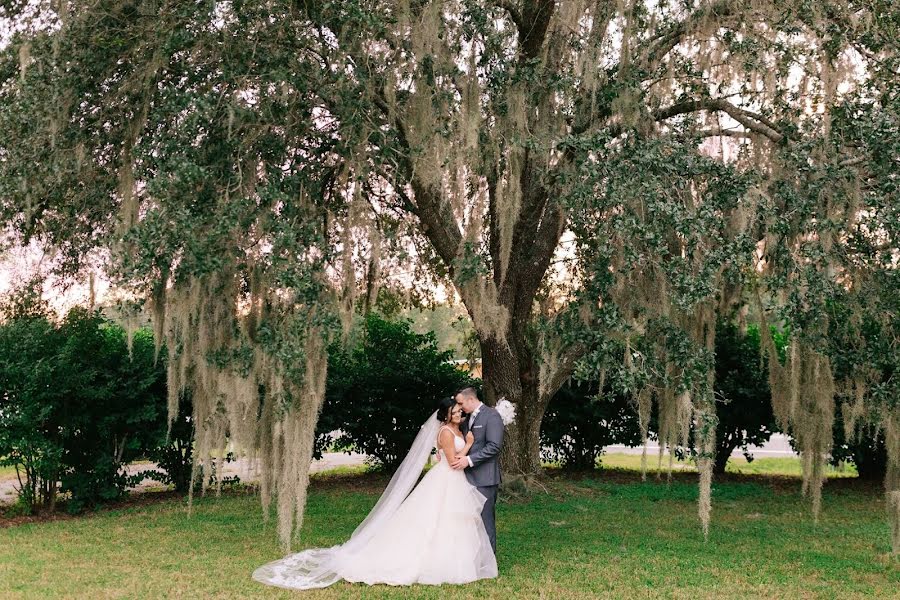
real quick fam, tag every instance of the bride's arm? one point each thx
(470, 439)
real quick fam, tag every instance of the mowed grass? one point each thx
(607, 535)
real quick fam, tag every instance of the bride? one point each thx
(432, 536)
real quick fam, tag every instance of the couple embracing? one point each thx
(443, 531)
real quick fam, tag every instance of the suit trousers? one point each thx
(487, 513)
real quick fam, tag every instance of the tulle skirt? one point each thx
(436, 536)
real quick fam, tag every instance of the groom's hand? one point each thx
(460, 463)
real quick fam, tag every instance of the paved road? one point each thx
(777, 446)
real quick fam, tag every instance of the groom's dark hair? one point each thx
(467, 391)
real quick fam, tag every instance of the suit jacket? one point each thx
(485, 452)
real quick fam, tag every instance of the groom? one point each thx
(481, 465)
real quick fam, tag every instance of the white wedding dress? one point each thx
(432, 536)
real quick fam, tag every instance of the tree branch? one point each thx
(534, 256)
(658, 48)
(666, 41)
(535, 21)
(725, 133)
(434, 213)
(438, 222)
(748, 119)
(852, 162)
(514, 15)
(565, 367)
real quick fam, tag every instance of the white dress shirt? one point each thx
(471, 422)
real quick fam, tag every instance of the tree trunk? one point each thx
(52, 491)
(509, 372)
(723, 453)
(870, 459)
(522, 444)
(510, 369)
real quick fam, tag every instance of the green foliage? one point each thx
(668, 241)
(174, 454)
(579, 423)
(867, 453)
(451, 326)
(744, 412)
(32, 388)
(115, 403)
(76, 405)
(380, 390)
(743, 399)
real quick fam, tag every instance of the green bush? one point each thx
(30, 397)
(75, 405)
(174, 454)
(113, 411)
(381, 389)
(578, 424)
(743, 398)
(865, 449)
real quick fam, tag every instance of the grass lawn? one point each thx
(604, 536)
(7, 472)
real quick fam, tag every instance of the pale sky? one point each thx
(18, 265)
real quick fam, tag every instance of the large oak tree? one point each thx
(598, 181)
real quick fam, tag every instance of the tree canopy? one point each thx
(584, 174)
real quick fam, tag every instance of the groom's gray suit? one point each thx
(484, 473)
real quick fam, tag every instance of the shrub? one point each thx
(30, 398)
(75, 405)
(174, 454)
(578, 424)
(743, 398)
(381, 389)
(115, 402)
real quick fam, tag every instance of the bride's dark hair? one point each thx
(445, 405)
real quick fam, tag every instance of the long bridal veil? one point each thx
(318, 567)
